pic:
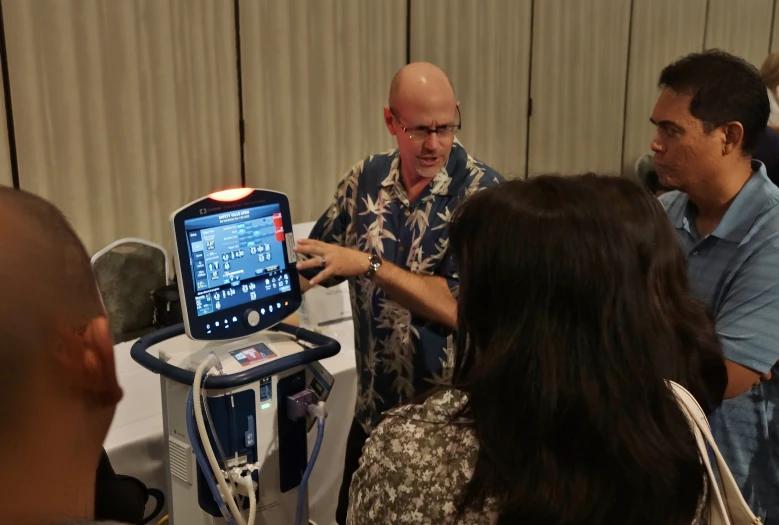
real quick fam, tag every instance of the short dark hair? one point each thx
(53, 253)
(566, 395)
(45, 217)
(724, 88)
(51, 291)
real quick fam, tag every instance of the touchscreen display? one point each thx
(237, 257)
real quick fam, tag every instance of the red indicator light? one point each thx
(233, 194)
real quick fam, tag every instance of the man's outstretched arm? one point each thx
(427, 296)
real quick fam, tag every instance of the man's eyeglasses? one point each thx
(420, 133)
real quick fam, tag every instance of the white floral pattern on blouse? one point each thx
(415, 466)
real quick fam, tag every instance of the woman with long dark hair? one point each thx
(561, 414)
(694, 353)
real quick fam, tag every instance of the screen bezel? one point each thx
(196, 325)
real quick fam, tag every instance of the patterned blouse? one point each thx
(415, 466)
(399, 355)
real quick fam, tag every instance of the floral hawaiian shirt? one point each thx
(399, 355)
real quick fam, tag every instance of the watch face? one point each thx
(375, 262)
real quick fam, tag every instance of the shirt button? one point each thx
(695, 252)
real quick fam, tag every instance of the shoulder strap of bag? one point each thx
(729, 505)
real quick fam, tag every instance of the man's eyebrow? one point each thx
(665, 123)
(437, 127)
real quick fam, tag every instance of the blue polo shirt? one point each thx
(735, 269)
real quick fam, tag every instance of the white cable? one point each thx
(245, 487)
(248, 484)
(227, 494)
(318, 410)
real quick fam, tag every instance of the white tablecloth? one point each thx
(136, 446)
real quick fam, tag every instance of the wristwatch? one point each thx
(375, 263)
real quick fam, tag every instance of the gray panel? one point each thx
(124, 111)
(663, 30)
(484, 46)
(742, 28)
(774, 31)
(316, 77)
(6, 179)
(578, 85)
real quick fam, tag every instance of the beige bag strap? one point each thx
(728, 505)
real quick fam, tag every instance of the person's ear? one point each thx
(99, 364)
(85, 362)
(733, 137)
(389, 118)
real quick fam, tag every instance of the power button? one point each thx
(252, 318)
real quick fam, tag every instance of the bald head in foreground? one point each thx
(56, 364)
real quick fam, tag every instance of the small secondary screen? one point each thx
(253, 354)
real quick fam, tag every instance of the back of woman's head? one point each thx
(692, 351)
(574, 421)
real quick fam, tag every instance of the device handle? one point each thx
(324, 347)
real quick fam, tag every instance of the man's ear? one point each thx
(388, 119)
(733, 137)
(98, 362)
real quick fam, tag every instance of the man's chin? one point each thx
(667, 181)
(428, 172)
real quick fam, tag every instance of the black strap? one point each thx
(118, 498)
(159, 497)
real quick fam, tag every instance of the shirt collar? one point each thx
(440, 184)
(742, 212)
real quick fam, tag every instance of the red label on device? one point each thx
(279, 225)
(253, 355)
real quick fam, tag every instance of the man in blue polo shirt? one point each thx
(709, 117)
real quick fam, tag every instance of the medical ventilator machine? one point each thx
(239, 393)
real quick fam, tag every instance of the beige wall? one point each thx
(316, 76)
(662, 31)
(743, 27)
(578, 85)
(5, 158)
(126, 110)
(489, 64)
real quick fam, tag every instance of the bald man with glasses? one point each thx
(387, 233)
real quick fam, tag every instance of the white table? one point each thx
(135, 442)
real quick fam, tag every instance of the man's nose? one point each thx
(655, 145)
(431, 141)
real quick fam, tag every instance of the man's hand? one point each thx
(335, 261)
(425, 295)
(305, 284)
(741, 379)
